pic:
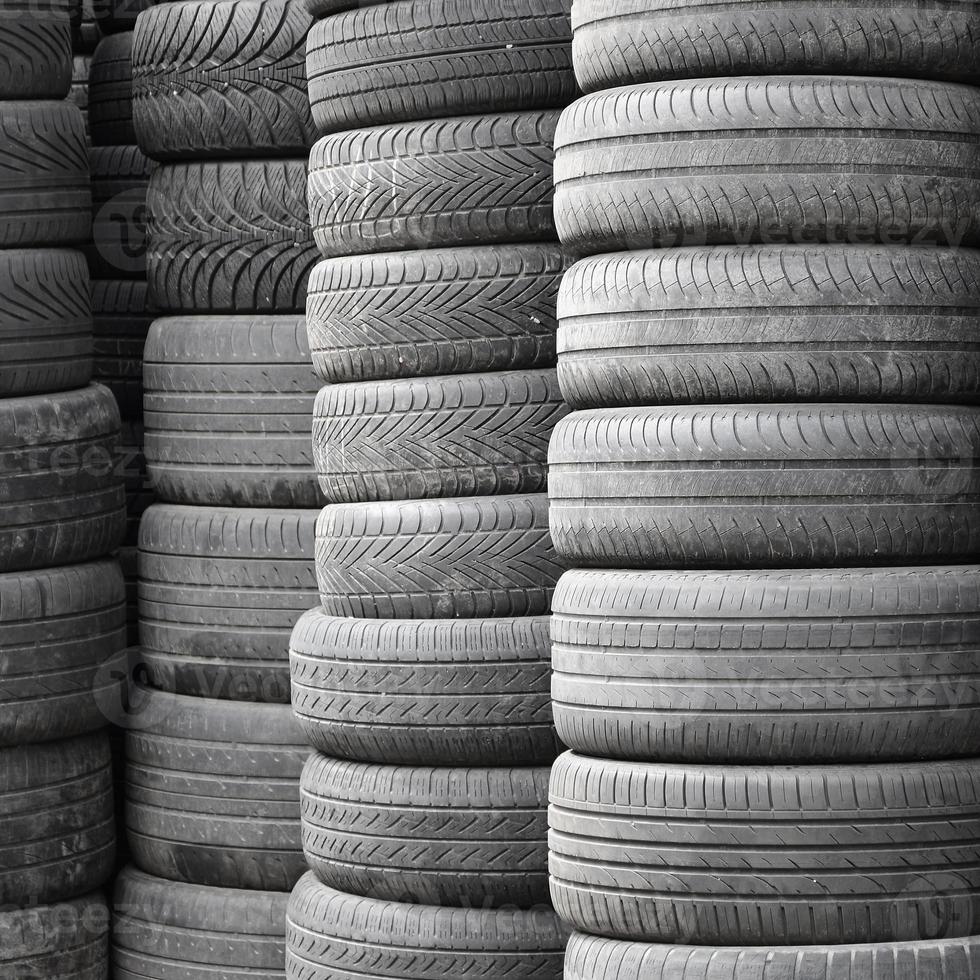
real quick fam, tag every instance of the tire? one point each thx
(324, 8)
(222, 79)
(227, 404)
(63, 499)
(229, 237)
(55, 820)
(781, 324)
(441, 692)
(212, 792)
(469, 181)
(475, 558)
(331, 935)
(734, 856)
(78, 92)
(140, 493)
(60, 629)
(35, 50)
(627, 42)
(70, 939)
(45, 197)
(45, 322)
(219, 593)
(769, 667)
(166, 929)
(110, 92)
(120, 179)
(119, 16)
(426, 313)
(462, 837)
(766, 486)
(696, 162)
(419, 60)
(455, 436)
(122, 319)
(128, 556)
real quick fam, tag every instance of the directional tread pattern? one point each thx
(120, 181)
(110, 92)
(122, 319)
(35, 49)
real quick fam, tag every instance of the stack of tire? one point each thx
(766, 659)
(62, 604)
(421, 679)
(226, 557)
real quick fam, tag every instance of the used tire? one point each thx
(110, 92)
(734, 856)
(222, 79)
(443, 692)
(219, 593)
(78, 93)
(35, 49)
(227, 406)
(422, 60)
(477, 180)
(120, 179)
(480, 557)
(452, 836)
(121, 319)
(212, 792)
(763, 323)
(455, 436)
(331, 935)
(766, 486)
(797, 159)
(426, 313)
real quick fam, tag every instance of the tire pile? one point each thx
(422, 677)
(766, 657)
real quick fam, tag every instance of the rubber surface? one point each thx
(35, 49)
(110, 92)
(120, 179)
(766, 486)
(794, 159)
(122, 319)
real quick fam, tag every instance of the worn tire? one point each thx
(766, 486)
(220, 591)
(35, 50)
(454, 436)
(478, 180)
(120, 180)
(796, 159)
(427, 836)
(110, 92)
(443, 692)
(227, 406)
(122, 319)
(761, 323)
(470, 558)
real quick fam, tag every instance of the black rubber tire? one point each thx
(626, 42)
(119, 16)
(420, 59)
(110, 92)
(443, 692)
(45, 197)
(330, 935)
(45, 322)
(772, 323)
(165, 929)
(70, 939)
(56, 820)
(761, 486)
(120, 179)
(324, 8)
(220, 591)
(222, 79)
(744, 856)
(793, 159)
(476, 180)
(139, 489)
(212, 792)
(465, 435)
(122, 319)
(35, 49)
(472, 558)
(229, 237)
(462, 837)
(78, 92)
(769, 667)
(425, 313)
(63, 499)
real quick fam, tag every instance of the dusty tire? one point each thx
(110, 92)
(781, 324)
(229, 237)
(120, 180)
(220, 591)
(121, 321)
(469, 181)
(769, 667)
(766, 486)
(331, 935)
(444, 692)
(227, 406)
(746, 160)
(164, 929)
(222, 79)
(423, 60)
(35, 49)
(452, 836)
(480, 557)
(464, 435)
